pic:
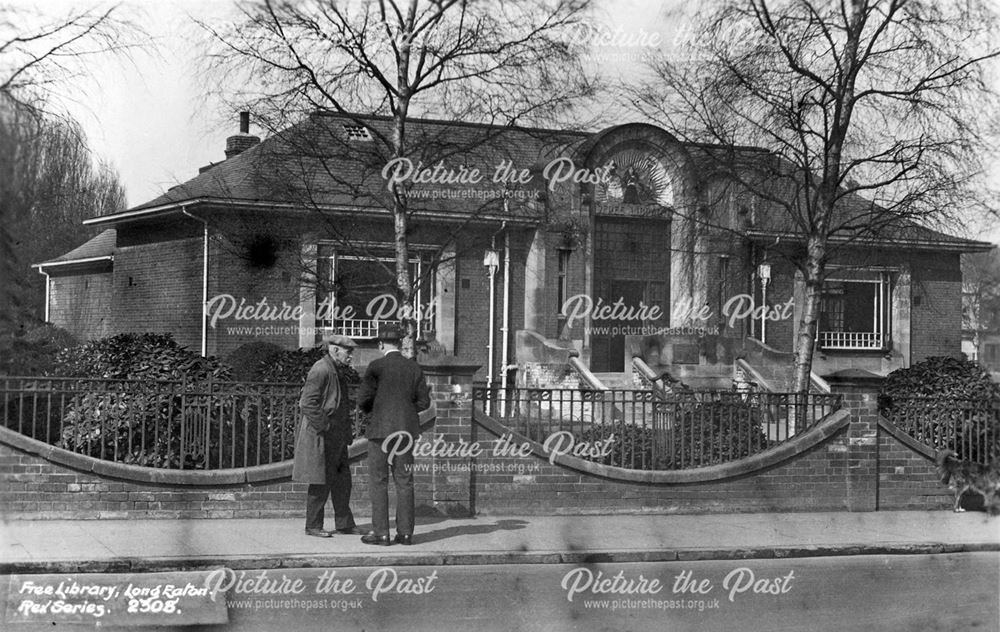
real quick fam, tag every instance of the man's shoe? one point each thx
(377, 540)
(350, 531)
(404, 539)
(319, 533)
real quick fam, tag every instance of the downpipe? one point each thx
(204, 280)
(505, 329)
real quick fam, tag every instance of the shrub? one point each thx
(291, 367)
(142, 421)
(249, 361)
(32, 349)
(145, 356)
(632, 447)
(141, 424)
(962, 414)
(698, 434)
(939, 377)
(716, 432)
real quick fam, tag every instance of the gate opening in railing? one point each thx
(164, 424)
(649, 431)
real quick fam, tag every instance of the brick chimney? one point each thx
(244, 140)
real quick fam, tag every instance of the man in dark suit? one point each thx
(321, 457)
(393, 391)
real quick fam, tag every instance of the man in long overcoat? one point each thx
(394, 391)
(321, 457)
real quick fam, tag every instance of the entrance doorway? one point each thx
(631, 264)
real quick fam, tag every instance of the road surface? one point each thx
(864, 593)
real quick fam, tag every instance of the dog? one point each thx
(962, 476)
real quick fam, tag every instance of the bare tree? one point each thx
(981, 294)
(51, 185)
(864, 117)
(459, 60)
(39, 55)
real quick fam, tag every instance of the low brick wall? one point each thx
(814, 481)
(907, 477)
(35, 488)
(857, 465)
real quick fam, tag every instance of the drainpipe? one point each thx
(204, 281)
(48, 291)
(505, 330)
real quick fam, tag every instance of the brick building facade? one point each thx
(285, 229)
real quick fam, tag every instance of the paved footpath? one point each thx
(51, 546)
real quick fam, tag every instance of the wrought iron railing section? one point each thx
(165, 424)
(646, 430)
(969, 427)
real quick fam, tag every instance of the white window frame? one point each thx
(367, 328)
(880, 336)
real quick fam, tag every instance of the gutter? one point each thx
(172, 207)
(48, 279)
(967, 245)
(70, 262)
(204, 281)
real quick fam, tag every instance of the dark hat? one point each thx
(340, 341)
(389, 332)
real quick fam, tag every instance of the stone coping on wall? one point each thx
(905, 439)
(826, 428)
(234, 476)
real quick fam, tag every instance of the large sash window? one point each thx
(355, 292)
(856, 312)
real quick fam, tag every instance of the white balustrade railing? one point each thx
(859, 340)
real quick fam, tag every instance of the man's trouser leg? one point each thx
(378, 485)
(338, 476)
(316, 496)
(402, 474)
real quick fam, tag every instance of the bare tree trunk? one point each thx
(809, 321)
(404, 289)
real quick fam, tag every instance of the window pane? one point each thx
(352, 283)
(859, 306)
(856, 314)
(358, 282)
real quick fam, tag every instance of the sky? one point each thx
(148, 116)
(146, 113)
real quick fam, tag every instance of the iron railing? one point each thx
(166, 424)
(970, 427)
(646, 430)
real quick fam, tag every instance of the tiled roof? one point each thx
(103, 245)
(319, 162)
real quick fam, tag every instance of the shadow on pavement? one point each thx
(468, 529)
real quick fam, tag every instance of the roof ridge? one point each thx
(460, 123)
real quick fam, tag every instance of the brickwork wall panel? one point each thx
(908, 480)
(81, 304)
(157, 289)
(248, 284)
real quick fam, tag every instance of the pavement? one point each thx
(112, 546)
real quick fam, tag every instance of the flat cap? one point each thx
(340, 341)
